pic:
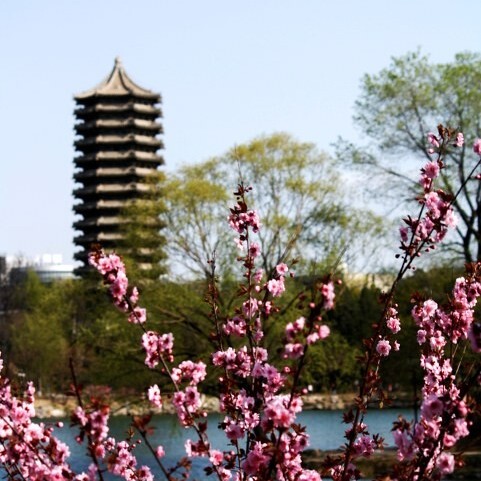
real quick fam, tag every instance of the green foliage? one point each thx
(28, 294)
(303, 206)
(197, 206)
(76, 319)
(42, 334)
(357, 308)
(109, 347)
(397, 108)
(143, 244)
(332, 365)
(306, 214)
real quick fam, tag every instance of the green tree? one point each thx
(357, 308)
(142, 246)
(197, 206)
(297, 191)
(42, 334)
(332, 365)
(398, 107)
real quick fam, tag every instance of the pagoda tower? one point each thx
(117, 140)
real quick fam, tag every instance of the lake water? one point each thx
(324, 427)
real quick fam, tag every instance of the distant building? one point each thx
(118, 128)
(48, 268)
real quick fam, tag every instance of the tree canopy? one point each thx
(297, 192)
(396, 109)
(142, 245)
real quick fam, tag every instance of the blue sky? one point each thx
(228, 71)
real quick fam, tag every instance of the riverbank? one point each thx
(324, 427)
(60, 406)
(380, 463)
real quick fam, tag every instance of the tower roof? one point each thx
(118, 83)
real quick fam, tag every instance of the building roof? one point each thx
(129, 138)
(128, 106)
(115, 172)
(117, 83)
(118, 158)
(119, 123)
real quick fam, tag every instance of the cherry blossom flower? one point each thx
(383, 347)
(154, 396)
(477, 146)
(433, 140)
(459, 140)
(276, 286)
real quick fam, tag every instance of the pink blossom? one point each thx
(293, 350)
(254, 249)
(328, 293)
(216, 457)
(429, 308)
(258, 275)
(276, 286)
(432, 407)
(187, 403)
(293, 328)
(394, 324)
(433, 140)
(157, 345)
(445, 463)
(324, 331)
(404, 444)
(459, 140)
(195, 449)
(383, 347)
(278, 413)
(232, 430)
(104, 264)
(403, 231)
(450, 219)
(434, 203)
(431, 170)
(138, 315)
(282, 269)
(118, 289)
(364, 446)
(236, 326)
(309, 475)
(240, 221)
(477, 146)
(194, 372)
(154, 396)
(256, 459)
(268, 307)
(437, 341)
(134, 296)
(250, 307)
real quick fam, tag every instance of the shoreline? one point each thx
(381, 462)
(60, 405)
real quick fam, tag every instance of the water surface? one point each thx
(325, 428)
